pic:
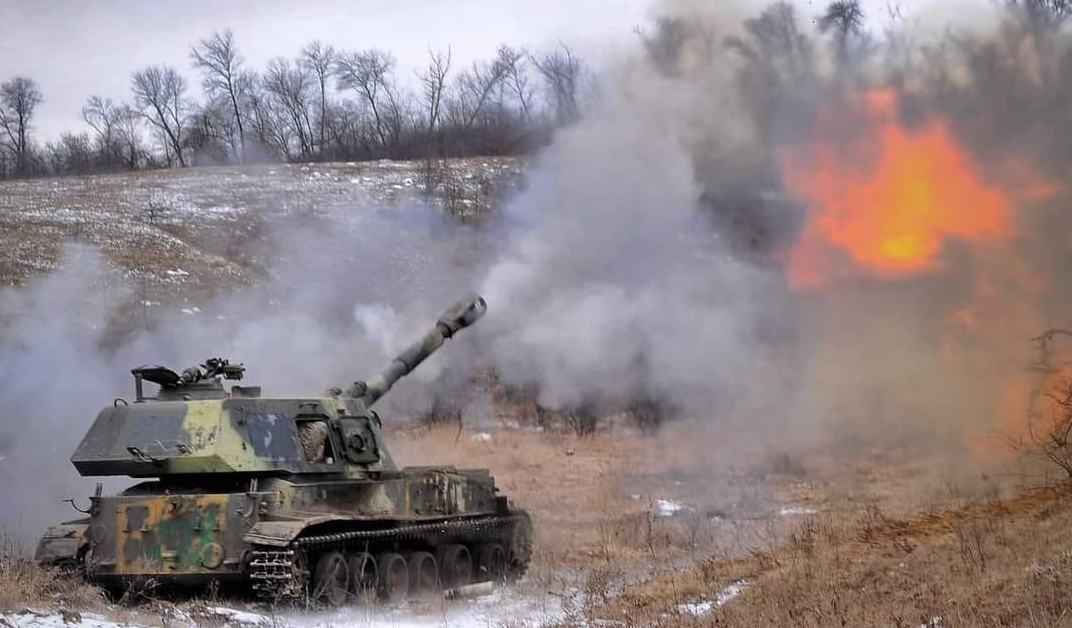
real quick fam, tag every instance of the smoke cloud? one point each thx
(619, 287)
(329, 312)
(653, 255)
(837, 236)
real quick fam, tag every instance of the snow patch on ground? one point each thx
(32, 619)
(794, 511)
(240, 617)
(482, 437)
(497, 608)
(730, 592)
(703, 607)
(696, 608)
(667, 507)
(203, 224)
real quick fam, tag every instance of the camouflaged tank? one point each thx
(287, 497)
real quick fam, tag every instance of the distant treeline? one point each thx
(328, 105)
(323, 105)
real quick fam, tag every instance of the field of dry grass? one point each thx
(682, 527)
(883, 538)
(993, 563)
(982, 553)
(23, 584)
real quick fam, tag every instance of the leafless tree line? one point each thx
(331, 104)
(324, 104)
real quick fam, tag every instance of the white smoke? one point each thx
(617, 286)
(639, 262)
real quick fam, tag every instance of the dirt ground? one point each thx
(890, 537)
(632, 539)
(679, 527)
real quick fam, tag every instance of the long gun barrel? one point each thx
(459, 316)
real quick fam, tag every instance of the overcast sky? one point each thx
(77, 48)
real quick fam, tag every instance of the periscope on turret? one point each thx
(289, 497)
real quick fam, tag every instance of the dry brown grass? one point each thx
(989, 563)
(594, 499)
(571, 486)
(897, 540)
(901, 537)
(24, 584)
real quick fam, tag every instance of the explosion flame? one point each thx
(891, 198)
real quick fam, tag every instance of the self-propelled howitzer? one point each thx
(288, 496)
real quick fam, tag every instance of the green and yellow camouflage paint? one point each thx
(227, 473)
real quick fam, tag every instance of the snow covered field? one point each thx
(204, 229)
(498, 608)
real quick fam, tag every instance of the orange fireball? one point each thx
(890, 198)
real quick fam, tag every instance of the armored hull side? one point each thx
(185, 535)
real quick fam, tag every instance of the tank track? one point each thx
(277, 573)
(273, 574)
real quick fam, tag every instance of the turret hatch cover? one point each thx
(157, 374)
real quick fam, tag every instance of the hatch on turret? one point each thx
(196, 382)
(159, 375)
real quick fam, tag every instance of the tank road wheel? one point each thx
(393, 577)
(331, 582)
(423, 575)
(455, 566)
(363, 576)
(520, 549)
(490, 562)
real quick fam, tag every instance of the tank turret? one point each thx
(194, 426)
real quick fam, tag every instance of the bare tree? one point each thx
(778, 64)
(210, 132)
(128, 135)
(561, 69)
(1061, 9)
(268, 121)
(218, 59)
(433, 83)
(19, 99)
(320, 60)
(106, 119)
(513, 61)
(475, 88)
(774, 45)
(844, 19)
(667, 44)
(71, 154)
(369, 74)
(160, 94)
(1049, 420)
(291, 86)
